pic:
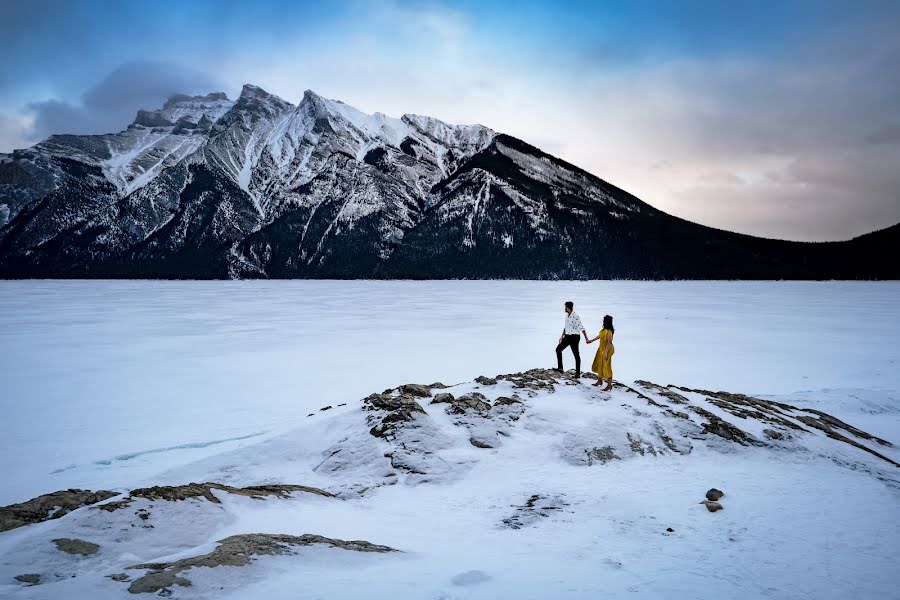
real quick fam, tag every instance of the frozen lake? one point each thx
(108, 383)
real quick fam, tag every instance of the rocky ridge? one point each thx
(258, 187)
(421, 435)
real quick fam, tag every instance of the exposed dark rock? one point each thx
(29, 578)
(485, 380)
(639, 446)
(722, 428)
(324, 408)
(414, 389)
(399, 409)
(472, 401)
(678, 414)
(782, 415)
(743, 406)
(601, 455)
(119, 576)
(157, 581)
(479, 443)
(76, 546)
(389, 403)
(205, 491)
(712, 506)
(668, 441)
(713, 494)
(506, 401)
(536, 507)
(639, 394)
(826, 425)
(49, 506)
(407, 460)
(534, 379)
(832, 422)
(237, 551)
(443, 398)
(663, 391)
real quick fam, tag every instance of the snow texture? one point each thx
(555, 490)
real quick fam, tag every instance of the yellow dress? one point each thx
(603, 368)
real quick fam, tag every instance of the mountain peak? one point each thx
(176, 99)
(256, 99)
(250, 91)
(186, 109)
(311, 95)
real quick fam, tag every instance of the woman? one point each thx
(603, 360)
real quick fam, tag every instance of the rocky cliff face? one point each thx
(209, 188)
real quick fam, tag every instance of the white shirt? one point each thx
(573, 324)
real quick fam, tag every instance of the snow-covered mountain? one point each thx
(209, 188)
(525, 485)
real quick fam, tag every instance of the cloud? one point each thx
(803, 146)
(112, 103)
(15, 131)
(888, 135)
(775, 127)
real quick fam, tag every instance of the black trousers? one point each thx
(572, 341)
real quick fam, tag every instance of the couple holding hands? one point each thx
(571, 337)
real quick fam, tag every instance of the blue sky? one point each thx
(772, 118)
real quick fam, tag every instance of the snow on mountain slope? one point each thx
(156, 140)
(209, 188)
(270, 147)
(529, 485)
(322, 163)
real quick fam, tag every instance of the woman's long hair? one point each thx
(607, 323)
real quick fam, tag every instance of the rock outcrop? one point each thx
(76, 546)
(713, 494)
(536, 507)
(237, 551)
(557, 445)
(205, 491)
(49, 506)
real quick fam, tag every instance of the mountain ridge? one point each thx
(206, 187)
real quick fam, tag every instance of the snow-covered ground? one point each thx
(124, 384)
(108, 383)
(582, 494)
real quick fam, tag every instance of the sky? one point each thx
(774, 118)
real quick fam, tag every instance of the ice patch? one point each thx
(188, 446)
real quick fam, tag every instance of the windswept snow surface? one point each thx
(125, 384)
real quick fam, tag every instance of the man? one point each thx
(570, 337)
